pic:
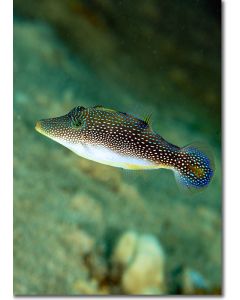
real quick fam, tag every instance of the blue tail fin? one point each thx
(195, 167)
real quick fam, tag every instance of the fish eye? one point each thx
(76, 122)
(76, 111)
(79, 109)
(75, 116)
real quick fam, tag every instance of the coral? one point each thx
(143, 260)
(125, 248)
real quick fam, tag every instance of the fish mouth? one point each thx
(39, 128)
(58, 129)
(54, 128)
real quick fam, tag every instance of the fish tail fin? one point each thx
(195, 167)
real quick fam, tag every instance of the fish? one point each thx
(121, 140)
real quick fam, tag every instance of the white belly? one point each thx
(106, 156)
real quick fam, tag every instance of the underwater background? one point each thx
(85, 228)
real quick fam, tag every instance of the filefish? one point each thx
(122, 140)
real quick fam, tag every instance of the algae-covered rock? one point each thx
(85, 287)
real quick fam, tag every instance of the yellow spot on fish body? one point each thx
(199, 172)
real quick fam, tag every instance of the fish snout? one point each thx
(38, 126)
(59, 127)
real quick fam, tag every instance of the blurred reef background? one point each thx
(84, 228)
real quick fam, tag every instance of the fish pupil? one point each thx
(76, 123)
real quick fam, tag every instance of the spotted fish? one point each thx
(121, 140)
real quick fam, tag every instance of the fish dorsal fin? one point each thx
(146, 122)
(148, 119)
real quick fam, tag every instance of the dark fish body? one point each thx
(122, 140)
